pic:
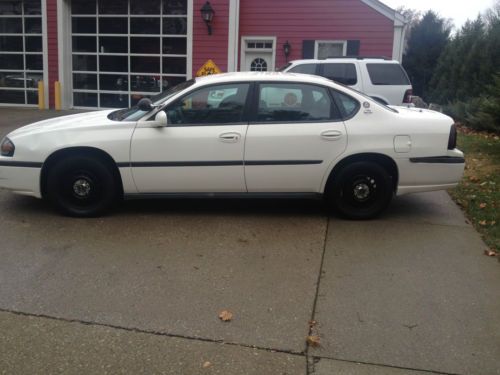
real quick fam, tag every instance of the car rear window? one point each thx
(343, 73)
(387, 74)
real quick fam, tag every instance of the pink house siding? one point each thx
(52, 49)
(210, 46)
(299, 20)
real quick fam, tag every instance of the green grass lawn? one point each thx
(479, 192)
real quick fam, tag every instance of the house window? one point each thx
(258, 65)
(325, 49)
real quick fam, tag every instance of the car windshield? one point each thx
(134, 113)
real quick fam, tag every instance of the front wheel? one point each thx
(81, 186)
(360, 191)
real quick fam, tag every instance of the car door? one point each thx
(201, 148)
(295, 134)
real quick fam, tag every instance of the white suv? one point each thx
(384, 80)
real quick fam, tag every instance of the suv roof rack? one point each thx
(359, 57)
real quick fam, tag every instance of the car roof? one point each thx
(262, 76)
(344, 60)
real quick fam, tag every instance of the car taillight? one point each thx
(408, 95)
(452, 141)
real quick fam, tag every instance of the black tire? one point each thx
(360, 191)
(81, 186)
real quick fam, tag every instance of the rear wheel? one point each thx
(361, 190)
(81, 186)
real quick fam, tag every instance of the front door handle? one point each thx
(331, 135)
(231, 137)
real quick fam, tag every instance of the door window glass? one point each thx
(348, 106)
(387, 74)
(293, 102)
(304, 69)
(214, 105)
(341, 72)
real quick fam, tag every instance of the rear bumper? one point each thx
(21, 179)
(431, 173)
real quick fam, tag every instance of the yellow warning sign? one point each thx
(208, 68)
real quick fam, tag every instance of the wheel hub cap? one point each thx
(361, 191)
(81, 188)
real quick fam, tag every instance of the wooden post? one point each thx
(57, 95)
(41, 95)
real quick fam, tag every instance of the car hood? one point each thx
(80, 120)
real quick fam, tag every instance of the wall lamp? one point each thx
(207, 13)
(287, 49)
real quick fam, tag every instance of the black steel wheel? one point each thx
(81, 186)
(361, 190)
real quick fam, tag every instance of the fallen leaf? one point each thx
(225, 316)
(314, 341)
(207, 364)
(482, 223)
(474, 179)
(482, 205)
(490, 253)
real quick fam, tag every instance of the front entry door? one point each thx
(201, 149)
(258, 55)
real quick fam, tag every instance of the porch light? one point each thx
(207, 13)
(287, 48)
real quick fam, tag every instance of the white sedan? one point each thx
(234, 135)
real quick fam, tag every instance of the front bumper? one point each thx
(21, 178)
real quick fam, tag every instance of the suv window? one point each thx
(387, 74)
(344, 73)
(348, 106)
(295, 102)
(304, 69)
(222, 104)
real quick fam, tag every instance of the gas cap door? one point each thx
(402, 143)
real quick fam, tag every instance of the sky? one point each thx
(458, 10)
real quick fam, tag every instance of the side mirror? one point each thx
(145, 104)
(161, 119)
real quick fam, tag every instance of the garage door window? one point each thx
(21, 51)
(123, 51)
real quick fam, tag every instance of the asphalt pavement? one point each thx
(140, 290)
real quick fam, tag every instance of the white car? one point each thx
(384, 80)
(234, 135)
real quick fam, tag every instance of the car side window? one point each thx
(213, 105)
(348, 106)
(344, 73)
(295, 102)
(304, 69)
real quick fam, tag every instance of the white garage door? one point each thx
(21, 53)
(125, 50)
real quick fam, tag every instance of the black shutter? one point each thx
(353, 47)
(308, 49)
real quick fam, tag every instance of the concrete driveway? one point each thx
(140, 291)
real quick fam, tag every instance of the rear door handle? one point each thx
(331, 135)
(231, 137)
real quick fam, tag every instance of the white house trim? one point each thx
(387, 11)
(342, 42)
(64, 52)
(45, 49)
(244, 40)
(399, 42)
(232, 43)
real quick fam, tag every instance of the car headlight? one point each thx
(7, 148)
